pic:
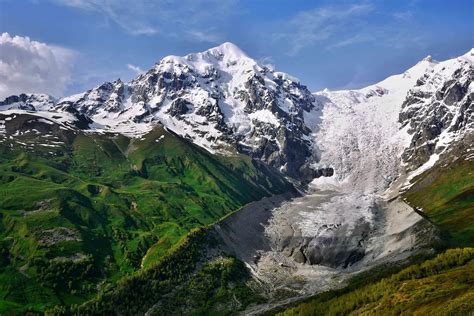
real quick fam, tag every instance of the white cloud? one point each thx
(128, 15)
(268, 62)
(320, 24)
(28, 66)
(208, 36)
(144, 30)
(356, 39)
(135, 69)
(185, 18)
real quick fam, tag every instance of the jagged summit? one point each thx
(225, 49)
(224, 56)
(428, 58)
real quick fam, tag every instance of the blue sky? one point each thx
(326, 44)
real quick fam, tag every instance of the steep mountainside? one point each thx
(79, 211)
(445, 193)
(414, 115)
(439, 110)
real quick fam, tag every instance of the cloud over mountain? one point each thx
(30, 66)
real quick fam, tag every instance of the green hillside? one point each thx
(445, 195)
(193, 278)
(79, 212)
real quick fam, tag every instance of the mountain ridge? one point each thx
(224, 101)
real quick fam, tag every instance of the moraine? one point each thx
(316, 242)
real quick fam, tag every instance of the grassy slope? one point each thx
(79, 216)
(446, 197)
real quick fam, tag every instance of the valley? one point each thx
(212, 184)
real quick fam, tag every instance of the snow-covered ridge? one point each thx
(438, 111)
(223, 56)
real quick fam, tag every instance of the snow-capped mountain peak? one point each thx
(224, 56)
(221, 99)
(428, 58)
(226, 51)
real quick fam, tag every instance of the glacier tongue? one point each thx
(354, 220)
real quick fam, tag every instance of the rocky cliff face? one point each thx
(439, 109)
